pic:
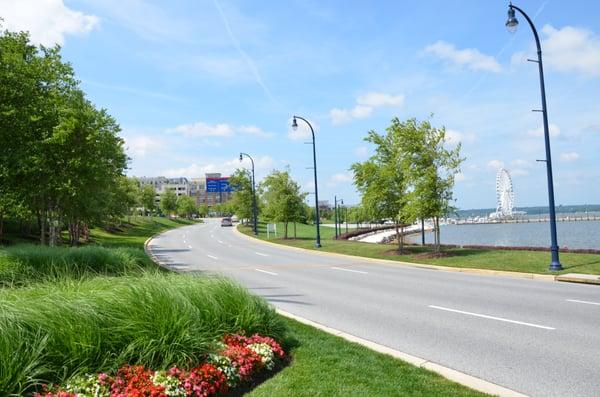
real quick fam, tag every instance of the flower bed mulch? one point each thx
(239, 362)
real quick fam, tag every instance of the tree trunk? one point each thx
(294, 230)
(43, 228)
(285, 230)
(398, 238)
(1, 226)
(437, 234)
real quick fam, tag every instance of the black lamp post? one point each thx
(335, 217)
(511, 25)
(254, 209)
(295, 127)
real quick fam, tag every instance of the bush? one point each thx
(24, 264)
(52, 331)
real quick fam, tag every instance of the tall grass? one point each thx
(24, 264)
(52, 331)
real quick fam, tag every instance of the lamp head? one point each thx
(511, 22)
(294, 124)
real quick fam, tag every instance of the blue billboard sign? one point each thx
(218, 185)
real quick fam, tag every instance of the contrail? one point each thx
(245, 56)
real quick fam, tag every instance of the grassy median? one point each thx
(492, 259)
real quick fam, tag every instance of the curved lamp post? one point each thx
(254, 209)
(317, 216)
(511, 25)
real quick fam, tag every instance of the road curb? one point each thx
(448, 373)
(486, 272)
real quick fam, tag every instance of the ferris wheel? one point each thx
(504, 193)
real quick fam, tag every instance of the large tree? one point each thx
(282, 199)
(186, 206)
(148, 199)
(383, 179)
(242, 196)
(168, 202)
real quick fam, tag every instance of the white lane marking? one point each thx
(229, 245)
(586, 302)
(264, 271)
(261, 254)
(349, 270)
(219, 241)
(491, 317)
(189, 246)
(213, 257)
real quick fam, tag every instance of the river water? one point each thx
(582, 234)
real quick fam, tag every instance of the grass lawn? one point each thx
(135, 233)
(326, 365)
(508, 260)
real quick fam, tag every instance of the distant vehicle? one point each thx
(226, 222)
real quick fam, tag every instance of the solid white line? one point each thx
(219, 241)
(349, 270)
(264, 271)
(491, 317)
(189, 246)
(213, 257)
(258, 253)
(586, 302)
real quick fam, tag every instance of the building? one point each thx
(210, 190)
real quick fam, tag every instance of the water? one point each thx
(570, 234)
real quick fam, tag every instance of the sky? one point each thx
(194, 82)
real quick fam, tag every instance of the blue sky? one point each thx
(193, 83)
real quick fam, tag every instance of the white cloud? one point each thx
(302, 132)
(225, 167)
(569, 157)
(454, 137)
(460, 177)
(339, 179)
(572, 49)
(255, 131)
(48, 21)
(201, 129)
(365, 105)
(380, 99)
(495, 164)
(143, 145)
(539, 132)
(520, 163)
(469, 58)
(361, 151)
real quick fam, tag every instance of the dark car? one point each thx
(226, 222)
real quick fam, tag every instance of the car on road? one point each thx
(226, 222)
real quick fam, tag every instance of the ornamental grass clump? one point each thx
(26, 264)
(52, 331)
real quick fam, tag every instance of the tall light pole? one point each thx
(511, 25)
(317, 216)
(254, 209)
(335, 218)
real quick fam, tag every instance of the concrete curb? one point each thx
(448, 373)
(534, 276)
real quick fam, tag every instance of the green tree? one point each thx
(168, 202)
(203, 210)
(186, 206)
(384, 179)
(148, 199)
(282, 199)
(242, 197)
(433, 169)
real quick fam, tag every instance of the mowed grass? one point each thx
(52, 331)
(506, 260)
(326, 365)
(136, 232)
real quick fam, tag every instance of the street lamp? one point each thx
(511, 25)
(254, 209)
(336, 216)
(295, 127)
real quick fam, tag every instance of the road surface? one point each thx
(537, 337)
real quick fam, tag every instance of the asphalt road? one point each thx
(537, 337)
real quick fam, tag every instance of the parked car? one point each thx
(226, 222)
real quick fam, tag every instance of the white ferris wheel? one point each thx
(504, 193)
